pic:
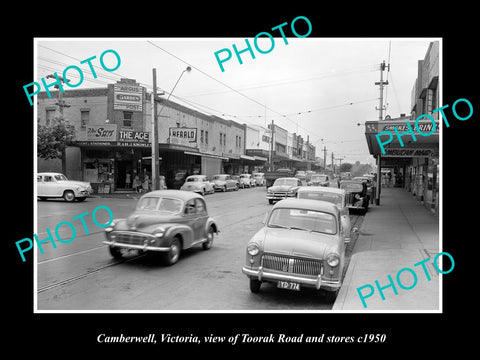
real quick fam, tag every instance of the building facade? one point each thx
(113, 128)
(414, 163)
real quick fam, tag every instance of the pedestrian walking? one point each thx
(136, 183)
(127, 180)
(146, 183)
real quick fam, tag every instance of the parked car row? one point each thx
(222, 182)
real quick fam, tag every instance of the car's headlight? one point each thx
(333, 260)
(111, 227)
(159, 232)
(253, 249)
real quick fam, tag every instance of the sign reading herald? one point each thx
(127, 97)
(185, 134)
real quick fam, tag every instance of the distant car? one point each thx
(300, 245)
(224, 182)
(319, 180)
(56, 185)
(283, 188)
(164, 221)
(334, 196)
(259, 179)
(356, 194)
(198, 184)
(246, 180)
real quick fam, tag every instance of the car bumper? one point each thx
(279, 196)
(317, 282)
(136, 247)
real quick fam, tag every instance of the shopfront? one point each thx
(413, 166)
(111, 158)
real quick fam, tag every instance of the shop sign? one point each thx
(106, 132)
(134, 136)
(400, 152)
(182, 135)
(127, 97)
(423, 127)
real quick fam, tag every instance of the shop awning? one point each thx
(420, 147)
(205, 155)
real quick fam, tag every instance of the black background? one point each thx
(408, 334)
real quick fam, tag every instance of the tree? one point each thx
(345, 167)
(53, 139)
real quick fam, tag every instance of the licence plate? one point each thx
(288, 285)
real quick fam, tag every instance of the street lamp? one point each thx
(154, 142)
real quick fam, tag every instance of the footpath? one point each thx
(396, 234)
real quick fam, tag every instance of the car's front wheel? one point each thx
(68, 196)
(208, 244)
(255, 285)
(116, 252)
(173, 253)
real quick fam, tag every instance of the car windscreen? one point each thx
(193, 179)
(351, 186)
(60, 177)
(161, 204)
(319, 178)
(309, 220)
(219, 177)
(316, 195)
(289, 182)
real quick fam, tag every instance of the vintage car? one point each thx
(259, 179)
(224, 182)
(56, 185)
(198, 184)
(319, 180)
(283, 188)
(300, 245)
(332, 195)
(369, 181)
(356, 194)
(247, 180)
(164, 221)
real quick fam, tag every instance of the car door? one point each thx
(190, 220)
(40, 186)
(50, 186)
(230, 182)
(201, 220)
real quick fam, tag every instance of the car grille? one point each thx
(350, 198)
(292, 265)
(280, 193)
(131, 238)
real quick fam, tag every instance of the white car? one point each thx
(259, 179)
(198, 184)
(246, 180)
(56, 185)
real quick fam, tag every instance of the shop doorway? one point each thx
(124, 175)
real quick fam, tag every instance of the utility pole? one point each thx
(154, 141)
(324, 158)
(333, 169)
(382, 83)
(272, 131)
(60, 102)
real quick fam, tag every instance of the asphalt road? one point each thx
(81, 275)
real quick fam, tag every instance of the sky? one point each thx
(316, 87)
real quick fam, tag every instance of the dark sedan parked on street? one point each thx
(283, 188)
(165, 221)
